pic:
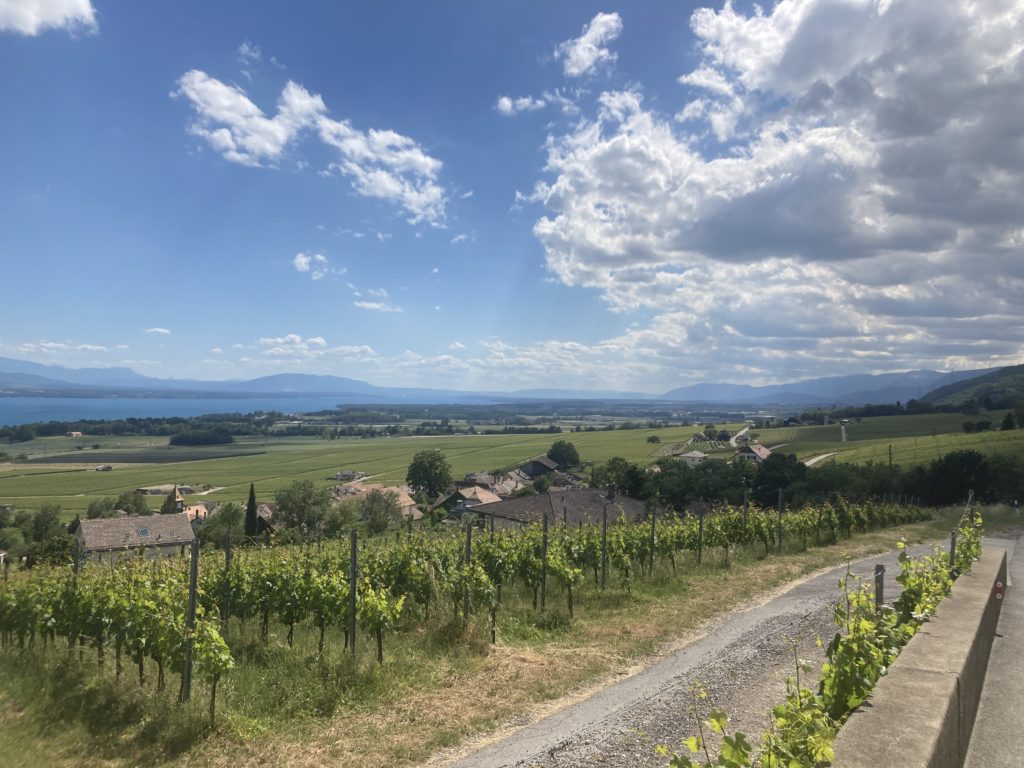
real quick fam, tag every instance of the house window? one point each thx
(143, 532)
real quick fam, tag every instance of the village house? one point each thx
(151, 536)
(359, 491)
(562, 507)
(72, 434)
(693, 458)
(754, 453)
(462, 499)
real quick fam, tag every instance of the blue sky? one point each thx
(499, 196)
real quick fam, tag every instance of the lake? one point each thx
(26, 410)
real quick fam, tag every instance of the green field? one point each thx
(273, 463)
(914, 439)
(283, 460)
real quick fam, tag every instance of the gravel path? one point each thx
(819, 458)
(742, 661)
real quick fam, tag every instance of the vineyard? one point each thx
(137, 611)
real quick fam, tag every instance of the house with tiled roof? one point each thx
(755, 453)
(152, 536)
(569, 507)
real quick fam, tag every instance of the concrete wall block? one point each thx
(923, 711)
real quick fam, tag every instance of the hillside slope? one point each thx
(1000, 389)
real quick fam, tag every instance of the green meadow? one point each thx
(273, 463)
(58, 473)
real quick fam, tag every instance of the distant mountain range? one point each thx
(29, 379)
(855, 389)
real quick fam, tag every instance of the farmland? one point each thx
(60, 474)
(273, 463)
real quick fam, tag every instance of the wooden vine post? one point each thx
(352, 573)
(544, 562)
(190, 625)
(779, 531)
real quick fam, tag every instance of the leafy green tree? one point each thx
(251, 518)
(99, 508)
(1008, 421)
(653, 439)
(340, 518)
(134, 503)
(564, 453)
(11, 539)
(227, 517)
(429, 473)
(302, 506)
(780, 470)
(380, 510)
(46, 523)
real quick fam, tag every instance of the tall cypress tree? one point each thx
(251, 521)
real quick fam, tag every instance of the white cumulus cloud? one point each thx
(382, 164)
(158, 330)
(376, 306)
(582, 55)
(316, 265)
(508, 106)
(855, 195)
(30, 17)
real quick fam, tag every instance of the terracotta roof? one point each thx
(359, 491)
(481, 495)
(570, 507)
(135, 531)
(197, 511)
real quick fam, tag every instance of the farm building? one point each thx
(693, 458)
(152, 536)
(163, 490)
(72, 434)
(347, 475)
(566, 507)
(753, 453)
(482, 479)
(539, 466)
(464, 498)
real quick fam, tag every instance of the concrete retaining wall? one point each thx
(921, 713)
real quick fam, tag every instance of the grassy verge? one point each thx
(440, 684)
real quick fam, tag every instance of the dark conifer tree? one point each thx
(251, 521)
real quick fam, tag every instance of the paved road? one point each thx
(998, 737)
(742, 661)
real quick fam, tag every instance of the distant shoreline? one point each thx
(17, 410)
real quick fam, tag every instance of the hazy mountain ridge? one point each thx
(854, 389)
(22, 377)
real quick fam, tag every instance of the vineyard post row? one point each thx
(155, 609)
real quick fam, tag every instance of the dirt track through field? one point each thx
(742, 661)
